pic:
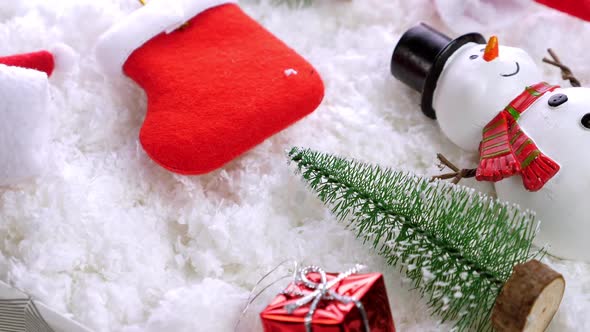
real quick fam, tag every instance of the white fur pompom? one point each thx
(65, 57)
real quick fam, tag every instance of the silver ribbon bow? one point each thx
(323, 291)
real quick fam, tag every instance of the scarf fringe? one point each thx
(539, 172)
(496, 169)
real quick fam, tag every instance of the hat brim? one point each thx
(438, 66)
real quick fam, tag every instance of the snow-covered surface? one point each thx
(123, 245)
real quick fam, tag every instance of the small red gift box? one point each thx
(340, 303)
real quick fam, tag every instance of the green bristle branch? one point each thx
(457, 246)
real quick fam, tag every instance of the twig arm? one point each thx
(457, 173)
(566, 72)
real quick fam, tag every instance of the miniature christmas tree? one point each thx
(469, 254)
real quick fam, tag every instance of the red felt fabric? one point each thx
(578, 8)
(216, 88)
(41, 61)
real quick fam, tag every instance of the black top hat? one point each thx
(420, 56)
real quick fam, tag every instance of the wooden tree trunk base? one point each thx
(529, 299)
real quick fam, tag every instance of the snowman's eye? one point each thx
(586, 121)
(473, 57)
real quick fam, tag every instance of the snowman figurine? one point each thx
(530, 135)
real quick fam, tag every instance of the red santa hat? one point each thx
(41, 61)
(59, 55)
(24, 129)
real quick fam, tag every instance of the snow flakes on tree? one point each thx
(458, 247)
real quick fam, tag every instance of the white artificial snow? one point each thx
(463, 15)
(120, 244)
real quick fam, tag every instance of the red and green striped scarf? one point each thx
(506, 150)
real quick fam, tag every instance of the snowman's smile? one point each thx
(515, 72)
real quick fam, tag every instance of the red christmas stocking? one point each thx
(217, 82)
(578, 8)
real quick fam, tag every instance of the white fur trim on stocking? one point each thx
(24, 125)
(118, 43)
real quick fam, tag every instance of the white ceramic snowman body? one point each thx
(470, 92)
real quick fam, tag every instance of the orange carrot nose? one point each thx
(492, 49)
